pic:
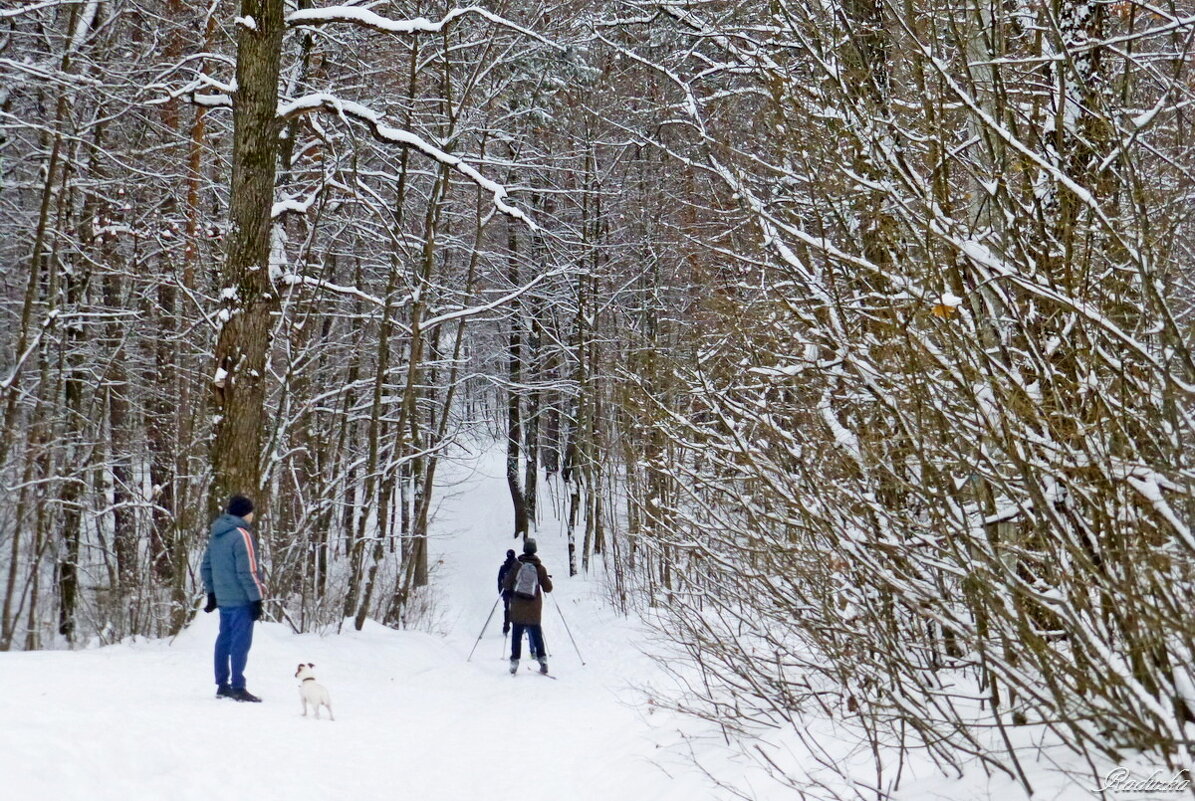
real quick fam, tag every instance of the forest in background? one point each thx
(856, 335)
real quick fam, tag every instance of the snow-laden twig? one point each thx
(842, 435)
(1149, 485)
(47, 72)
(51, 318)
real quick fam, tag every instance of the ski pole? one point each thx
(483, 628)
(566, 628)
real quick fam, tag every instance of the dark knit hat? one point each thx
(510, 554)
(239, 505)
(529, 545)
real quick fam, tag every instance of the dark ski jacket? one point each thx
(502, 571)
(528, 611)
(230, 568)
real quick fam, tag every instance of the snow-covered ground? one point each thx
(139, 722)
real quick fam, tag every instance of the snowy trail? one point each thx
(139, 722)
(413, 718)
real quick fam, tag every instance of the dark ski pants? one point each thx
(505, 612)
(535, 639)
(232, 645)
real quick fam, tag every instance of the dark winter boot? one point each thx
(224, 691)
(514, 666)
(244, 695)
(543, 664)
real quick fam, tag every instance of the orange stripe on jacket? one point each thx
(252, 561)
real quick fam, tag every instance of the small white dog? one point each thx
(311, 692)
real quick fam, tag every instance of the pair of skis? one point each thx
(529, 667)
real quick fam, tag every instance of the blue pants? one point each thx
(232, 645)
(535, 639)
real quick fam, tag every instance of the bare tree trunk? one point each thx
(8, 622)
(25, 344)
(75, 458)
(531, 466)
(514, 418)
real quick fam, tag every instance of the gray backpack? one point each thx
(526, 581)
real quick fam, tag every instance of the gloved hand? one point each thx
(255, 610)
(211, 603)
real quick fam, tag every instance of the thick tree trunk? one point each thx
(249, 296)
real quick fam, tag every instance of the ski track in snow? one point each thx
(139, 720)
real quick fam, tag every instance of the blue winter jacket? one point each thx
(230, 568)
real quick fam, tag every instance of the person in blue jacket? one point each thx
(232, 578)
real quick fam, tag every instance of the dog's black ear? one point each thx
(310, 665)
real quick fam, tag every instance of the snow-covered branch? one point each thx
(16, 12)
(291, 279)
(396, 136)
(494, 304)
(368, 19)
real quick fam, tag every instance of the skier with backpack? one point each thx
(505, 593)
(526, 582)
